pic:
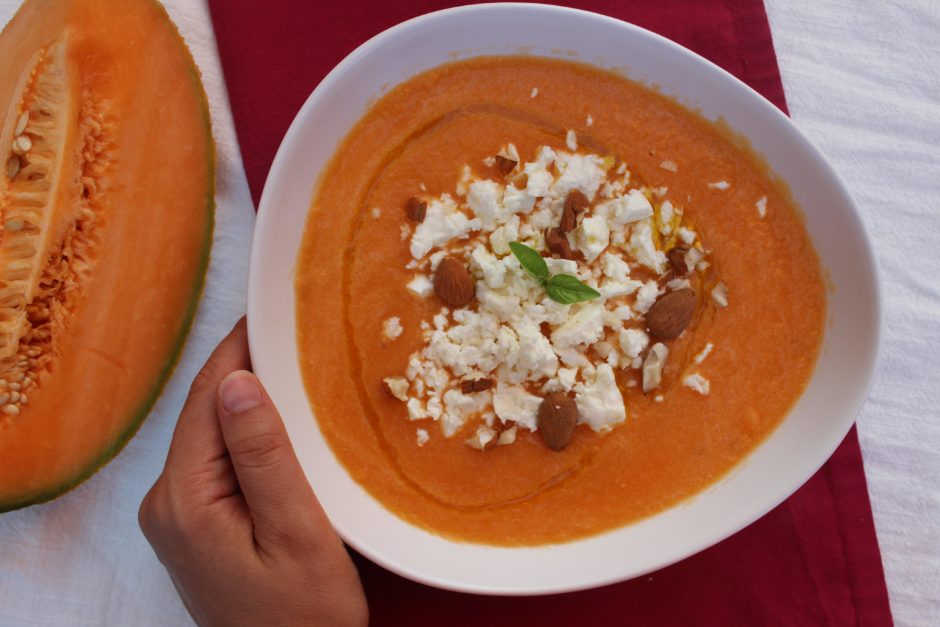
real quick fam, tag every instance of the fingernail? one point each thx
(240, 392)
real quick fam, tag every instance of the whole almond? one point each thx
(671, 314)
(676, 258)
(416, 209)
(575, 203)
(505, 165)
(557, 243)
(453, 283)
(557, 417)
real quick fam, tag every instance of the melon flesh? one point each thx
(106, 212)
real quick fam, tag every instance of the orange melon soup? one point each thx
(537, 301)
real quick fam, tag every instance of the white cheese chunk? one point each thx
(422, 437)
(653, 366)
(571, 140)
(585, 326)
(623, 210)
(391, 328)
(481, 437)
(642, 248)
(592, 236)
(761, 206)
(485, 199)
(513, 403)
(398, 386)
(720, 185)
(633, 342)
(646, 296)
(720, 295)
(582, 172)
(501, 236)
(698, 383)
(460, 407)
(539, 178)
(704, 353)
(442, 223)
(421, 285)
(600, 403)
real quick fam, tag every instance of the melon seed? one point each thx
(24, 143)
(557, 417)
(21, 123)
(10, 410)
(13, 166)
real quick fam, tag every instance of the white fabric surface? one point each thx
(82, 560)
(861, 80)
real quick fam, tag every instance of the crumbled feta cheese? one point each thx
(442, 223)
(376, 213)
(460, 407)
(600, 404)
(421, 285)
(486, 201)
(653, 366)
(489, 161)
(507, 436)
(693, 257)
(720, 295)
(585, 326)
(398, 386)
(592, 236)
(642, 248)
(633, 342)
(481, 437)
(435, 407)
(669, 165)
(509, 232)
(704, 353)
(686, 235)
(416, 409)
(517, 200)
(422, 436)
(535, 92)
(485, 263)
(513, 403)
(677, 284)
(566, 378)
(659, 398)
(721, 185)
(761, 205)
(622, 210)
(646, 296)
(391, 328)
(404, 231)
(589, 121)
(666, 213)
(582, 172)
(571, 140)
(698, 383)
(539, 177)
(535, 356)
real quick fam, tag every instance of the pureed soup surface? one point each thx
(675, 440)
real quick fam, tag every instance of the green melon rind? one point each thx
(138, 417)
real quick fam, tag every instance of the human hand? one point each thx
(232, 517)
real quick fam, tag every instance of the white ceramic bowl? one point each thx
(770, 474)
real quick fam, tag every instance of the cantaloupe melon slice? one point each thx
(106, 216)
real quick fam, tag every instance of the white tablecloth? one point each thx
(862, 81)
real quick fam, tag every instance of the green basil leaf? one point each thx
(531, 260)
(566, 289)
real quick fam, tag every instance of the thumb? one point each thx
(279, 498)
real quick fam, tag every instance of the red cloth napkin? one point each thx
(814, 560)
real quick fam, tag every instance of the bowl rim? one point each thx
(293, 136)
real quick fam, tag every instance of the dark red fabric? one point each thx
(814, 560)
